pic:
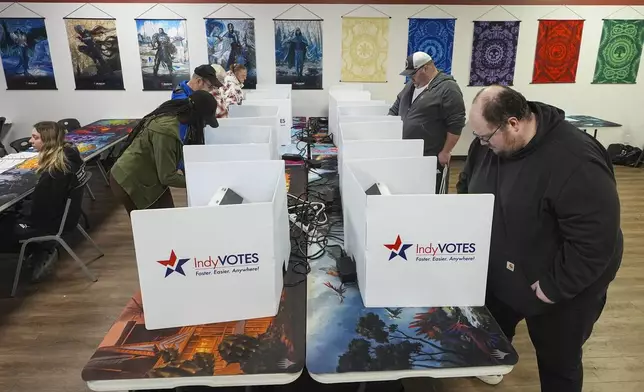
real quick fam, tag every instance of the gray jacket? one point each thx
(437, 110)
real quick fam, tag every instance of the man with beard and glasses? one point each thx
(556, 240)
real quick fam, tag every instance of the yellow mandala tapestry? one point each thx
(365, 44)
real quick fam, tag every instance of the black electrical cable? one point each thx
(311, 210)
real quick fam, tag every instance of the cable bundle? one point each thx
(314, 221)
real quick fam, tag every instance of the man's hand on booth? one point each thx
(444, 157)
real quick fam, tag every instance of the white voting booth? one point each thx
(208, 264)
(371, 140)
(365, 128)
(359, 108)
(375, 121)
(233, 123)
(264, 110)
(274, 95)
(413, 248)
(372, 149)
(233, 144)
(341, 95)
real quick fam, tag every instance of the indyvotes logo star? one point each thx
(173, 264)
(398, 249)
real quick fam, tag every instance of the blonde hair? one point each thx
(234, 68)
(52, 155)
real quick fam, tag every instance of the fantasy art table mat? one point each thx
(266, 345)
(344, 336)
(89, 139)
(590, 122)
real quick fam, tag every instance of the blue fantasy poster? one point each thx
(163, 50)
(26, 59)
(298, 53)
(434, 37)
(232, 41)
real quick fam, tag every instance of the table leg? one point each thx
(103, 172)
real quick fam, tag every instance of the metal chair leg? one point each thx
(91, 241)
(80, 263)
(84, 215)
(89, 191)
(91, 194)
(103, 172)
(18, 268)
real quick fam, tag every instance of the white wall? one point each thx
(619, 103)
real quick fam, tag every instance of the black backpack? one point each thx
(623, 154)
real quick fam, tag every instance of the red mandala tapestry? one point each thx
(557, 54)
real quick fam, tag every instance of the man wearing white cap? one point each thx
(431, 107)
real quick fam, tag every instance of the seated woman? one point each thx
(152, 162)
(233, 84)
(60, 169)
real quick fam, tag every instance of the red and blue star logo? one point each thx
(398, 249)
(170, 264)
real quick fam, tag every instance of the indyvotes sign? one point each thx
(438, 252)
(429, 250)
(220, 265)
(184, 261)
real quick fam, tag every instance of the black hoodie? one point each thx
(556, 214)
(51, 192)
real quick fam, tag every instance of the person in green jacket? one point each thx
(153, 159)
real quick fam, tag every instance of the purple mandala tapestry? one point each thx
(494, 53)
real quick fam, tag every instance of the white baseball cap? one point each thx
(415, 62)
(219, 71)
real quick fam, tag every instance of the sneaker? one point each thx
(491, 380)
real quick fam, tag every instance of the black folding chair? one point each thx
(70, 124)
(69, 222)
(640, 159)
(21, 144)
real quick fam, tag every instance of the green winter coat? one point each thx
(149, 165)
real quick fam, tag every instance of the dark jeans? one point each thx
(165, 201)
(13, 229)
(557, 336)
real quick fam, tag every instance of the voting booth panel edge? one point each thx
(371, 149)
(416, 249)
(227, 152)
(389, 128)
(284, 114)
(250, 122)
(340, 95)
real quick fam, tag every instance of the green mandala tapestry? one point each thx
(620, 50)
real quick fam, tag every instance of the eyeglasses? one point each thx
(486, 138)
